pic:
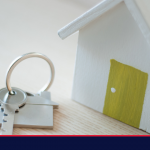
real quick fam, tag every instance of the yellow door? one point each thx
(125, 93)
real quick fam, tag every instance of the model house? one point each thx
(113, 61)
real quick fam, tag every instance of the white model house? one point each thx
(113, 60)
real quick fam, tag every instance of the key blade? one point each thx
(8, 118)
(7, 125)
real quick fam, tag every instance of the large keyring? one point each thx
(23, 57)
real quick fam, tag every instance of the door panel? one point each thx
(125, 93)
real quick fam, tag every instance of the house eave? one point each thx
(139, 18)
(100, 9)
(87, 17)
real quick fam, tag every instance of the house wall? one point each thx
(114, 35)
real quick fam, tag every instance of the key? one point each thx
(36, 113)
(11, 102)
(9, 105)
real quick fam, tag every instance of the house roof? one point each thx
(103, 7)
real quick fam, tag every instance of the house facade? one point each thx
(113, 61)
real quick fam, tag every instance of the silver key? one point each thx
(9, 105)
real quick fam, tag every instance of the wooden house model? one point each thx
(113, 60)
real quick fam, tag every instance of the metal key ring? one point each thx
(23, 57)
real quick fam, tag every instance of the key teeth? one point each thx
(2, 107)
(4, 120)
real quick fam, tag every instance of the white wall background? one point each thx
(32, 25)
